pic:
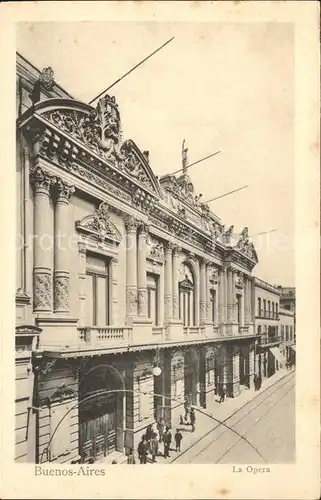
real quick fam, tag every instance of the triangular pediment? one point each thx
(136, 164)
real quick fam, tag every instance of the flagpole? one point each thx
(195, 162)
(226, 194)
(132, 69)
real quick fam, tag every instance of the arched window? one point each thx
(187, 297)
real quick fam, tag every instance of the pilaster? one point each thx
(131, 268)
(168, 297)
(141, 270)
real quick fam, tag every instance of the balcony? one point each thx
(94, 337)
(269, 341)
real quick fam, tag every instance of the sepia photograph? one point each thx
(160, 220)
(155, 286)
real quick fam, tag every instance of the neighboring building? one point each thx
(266, 307)
(287, 322)
(131, 294)
(287, 329)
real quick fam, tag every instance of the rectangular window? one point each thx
(286, 332)
(264, 307)
(97, 291)
(291, 333)
(259, 306)
(277, 311)
(152, 298)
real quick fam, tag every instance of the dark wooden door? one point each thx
(97, 430)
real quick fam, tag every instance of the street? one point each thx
(262, 431)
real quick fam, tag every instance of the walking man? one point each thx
(160, 428)
(167, 439)
(187, 408)
(193, 419)
(142, 450)
(153, 446)
(222, 395)
(178, 440)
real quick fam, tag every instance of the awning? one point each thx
(277, 354)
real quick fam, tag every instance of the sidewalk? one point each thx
(217, 410)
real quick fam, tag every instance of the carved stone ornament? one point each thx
(131, 224)
(42, 181)
(61, 293)
(155, 249)
(63, 190)
(239, 283)
(245, 246)
(214, 275)
(132, 300)
(142, 301)
(99, 130)
(61, 394)
(132, 164)
(100, 224)
(42, 291)
(46, 78)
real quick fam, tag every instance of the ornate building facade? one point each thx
(131, 293)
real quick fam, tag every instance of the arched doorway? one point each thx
(101, 411)
(191, 376)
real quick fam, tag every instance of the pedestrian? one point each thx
(193, 419)
(222, 395)
(255, 382)
(149, 432)
(167, 439)
(160, 428)
(131, 457)
(178, 439)
(142, 450)
(259, 382)
(187, 408)
(153, 447)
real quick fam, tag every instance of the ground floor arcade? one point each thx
(86, 408)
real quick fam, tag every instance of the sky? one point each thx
(226, 87)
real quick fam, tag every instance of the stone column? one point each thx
(175, 278)
(234, 298)
(230, 302)
(168, 296)
(131, 268)
(202, 291)
(43, 241)
(249, 300)
(141, 271)
(242, 309)
(246, 300)
(221, 296)
(61, 273)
